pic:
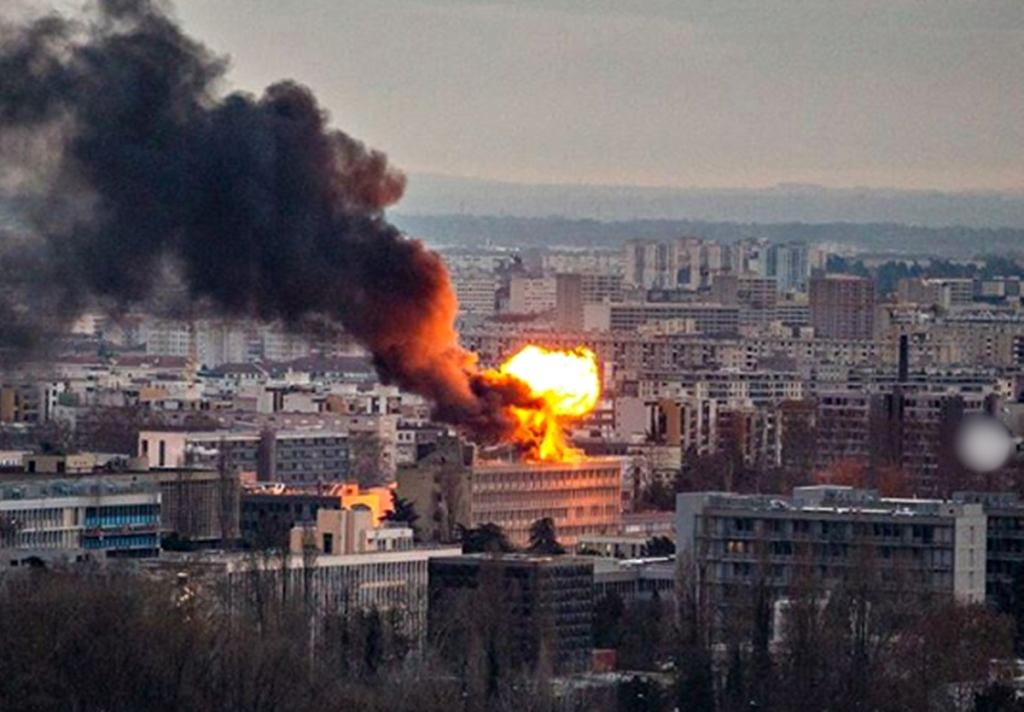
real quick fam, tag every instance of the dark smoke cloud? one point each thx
(267, 211)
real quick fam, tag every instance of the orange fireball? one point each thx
(566, 384)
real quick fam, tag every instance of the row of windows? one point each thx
(915, 533)
(141, 541)
(34, 518)
(47, 540)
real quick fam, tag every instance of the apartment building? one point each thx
(843, 307)
(823, 535)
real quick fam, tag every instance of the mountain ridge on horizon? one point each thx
(437, 194)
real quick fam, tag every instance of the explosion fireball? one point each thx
(565, 386)
(130, 160)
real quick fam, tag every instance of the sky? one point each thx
(922, 94)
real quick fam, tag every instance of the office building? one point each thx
(107, 517)
(582, 497)
(538, 609)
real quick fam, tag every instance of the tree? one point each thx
(656, 496)
(999, 697)
(487, 538)
(10, 527)
(658, 546)
(367, 458)
(544, 538)
(608, 614)
(695, 676)
(402, 511)
(640, 694)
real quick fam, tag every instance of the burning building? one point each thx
(582, 497)
(135, 166)
(544, 478)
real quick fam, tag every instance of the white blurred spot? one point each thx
(983, 444)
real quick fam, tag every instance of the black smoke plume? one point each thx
(113, 129)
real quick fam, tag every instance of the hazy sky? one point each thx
(904, 93)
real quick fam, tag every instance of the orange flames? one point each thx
(567, 386)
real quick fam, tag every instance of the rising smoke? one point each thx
(114, 134)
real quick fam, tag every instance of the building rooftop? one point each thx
(832, 499)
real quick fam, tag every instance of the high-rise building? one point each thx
(651, 265)
(756, 296)
(843, 307)
(531, 294)
(477, 291)
(791, 264)
(573, 291)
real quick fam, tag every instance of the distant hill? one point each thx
(443, 195)
(877, 238)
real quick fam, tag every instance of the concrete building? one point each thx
(295, 457)
(200, 506)
(268, 513)
(348, 531)
(793, 309)
(650, 265)
(393, 583)
(53, 464)
(708, 319)
(635, 579)
(438, 486)
(822, 535)
(582, 497)
(615, 546)
(476, 291)
(531, 294)
(1005, 542)
(107, 517)
(538, 609)
(843, 307)
(790, 265)
(21, 402)
(573, 291)
(756, 296)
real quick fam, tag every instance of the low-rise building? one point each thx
(109, 517)
(635, 580)
(348, 531)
